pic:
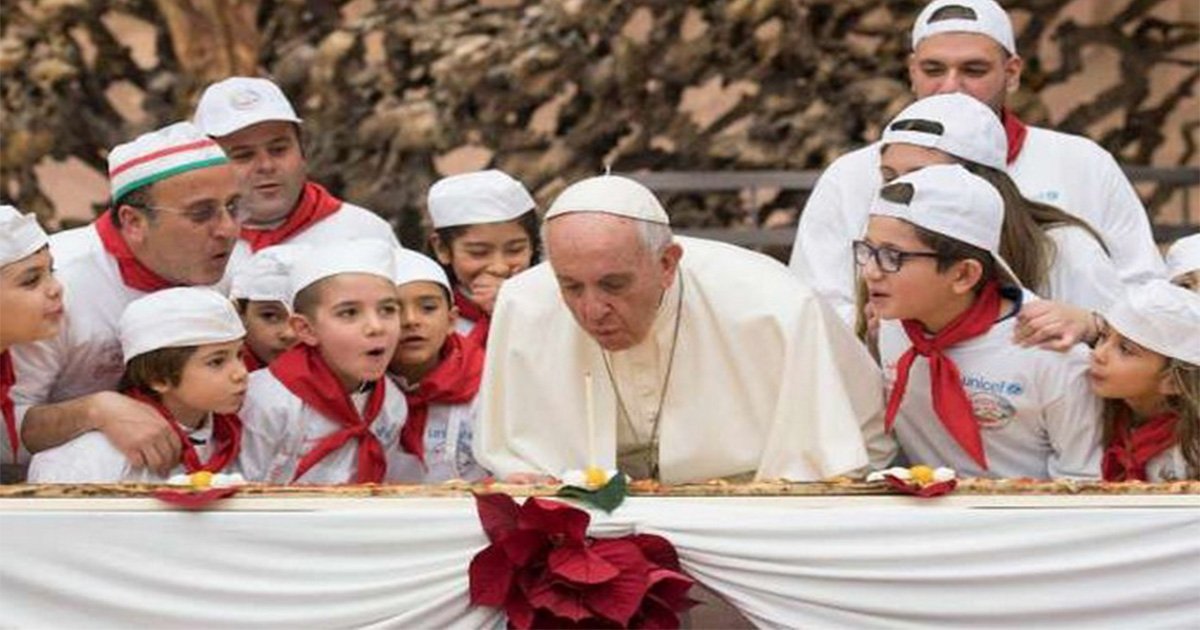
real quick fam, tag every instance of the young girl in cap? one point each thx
(1183, 262)
(1146, 366)
(1052, 253)
(439, 371)
(485, 232)
(181, 350)
(260, 292)
(31, 303)
(962, 394)
(322, 412)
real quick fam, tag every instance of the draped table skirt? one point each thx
(812, 562)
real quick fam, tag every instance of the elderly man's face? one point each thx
(967, 63)
(611, 284)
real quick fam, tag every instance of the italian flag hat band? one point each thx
(160, 154)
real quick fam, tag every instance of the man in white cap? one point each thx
(704, 360)
(173, 221)
(968, 46)
(255, 124)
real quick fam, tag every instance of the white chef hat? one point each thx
(157, 155)
(20, 235)
(1161, 317)
(177, 317)
(481, 197)
(266, 276)
(949, 200)
(1184, 256)
(238, 102)
(416, 267)
(952, 123)
(364, 255)
(976, 16)
(610, 194)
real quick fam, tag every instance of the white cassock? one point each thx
(766, 380)
(279, 429)
(1036, 412)
(91, 458)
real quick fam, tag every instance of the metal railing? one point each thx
(1184, 178)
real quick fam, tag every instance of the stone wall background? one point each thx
(398, 93)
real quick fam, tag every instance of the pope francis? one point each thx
(703, 360)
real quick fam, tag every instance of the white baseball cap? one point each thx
(971, 16)
(610, 194)
(238, 102)
(265, 277)
(956, 124)
(1184, 256)
(416, 267)
(178, 317)
(20, 235)
(1161, 317)
(949, 200)
(363, 255)
(159, 154)
(481, 197)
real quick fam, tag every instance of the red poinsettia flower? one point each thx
(545, 572)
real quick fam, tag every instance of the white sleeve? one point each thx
(821, 254)
(1127, 233)
(1072, 420)
(266, 433)
(89, 458)
(1081, 274)
(37, 366)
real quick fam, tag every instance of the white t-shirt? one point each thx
(91, 458)
(1168, 465)
(85, 356)
(1036, 411)
(349, 222)
(1081, 273)
(280, 429)
(1063, 170)
(449, 432)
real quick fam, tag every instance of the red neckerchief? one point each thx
(226, 435)
(1131, 447)
(302, 370)
(251, 360)
(1016, 131)
(134, 274)
(315, 203)
(454, 380)
(472, 312)
(8, 378)
(949, 398)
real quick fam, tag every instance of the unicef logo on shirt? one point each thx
(1047, 196)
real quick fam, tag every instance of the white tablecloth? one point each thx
(858, 562)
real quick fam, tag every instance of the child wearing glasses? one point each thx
(960, 393)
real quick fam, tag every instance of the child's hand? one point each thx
(1052, 325)
(484, 289)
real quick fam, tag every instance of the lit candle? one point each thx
(591, 419)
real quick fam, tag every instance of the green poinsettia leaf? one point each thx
(610, 496)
